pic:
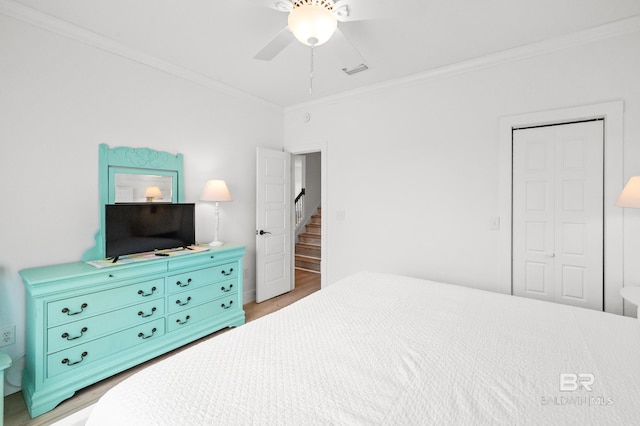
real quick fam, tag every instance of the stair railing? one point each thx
(299, 207)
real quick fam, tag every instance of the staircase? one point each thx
(307, 254)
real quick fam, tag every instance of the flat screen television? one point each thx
(143, 227)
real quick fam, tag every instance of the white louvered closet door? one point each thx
(557, 248)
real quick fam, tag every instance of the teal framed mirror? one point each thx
(135, 175)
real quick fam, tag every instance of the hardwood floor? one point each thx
(16, 411)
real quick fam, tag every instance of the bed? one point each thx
(386, 349)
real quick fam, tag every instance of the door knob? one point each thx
(549, 254)
(261, 232)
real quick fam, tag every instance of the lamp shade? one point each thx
(312, 24)
(215, 190)
(153, 192)
(630, 196)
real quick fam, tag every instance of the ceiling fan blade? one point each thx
(279, 5)
(360, 10)
(346, 52)
(275, 46)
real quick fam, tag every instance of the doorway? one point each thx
(557, 247)
(319, 149)
(308, 212)
(274, 250)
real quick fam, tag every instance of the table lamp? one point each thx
(216, 190)
(153, 193)
(630, 197)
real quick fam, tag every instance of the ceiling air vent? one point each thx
(355, 70)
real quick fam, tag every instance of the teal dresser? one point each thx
(85, 324)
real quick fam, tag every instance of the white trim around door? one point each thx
(612, 113)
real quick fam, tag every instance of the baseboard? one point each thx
(248, 296)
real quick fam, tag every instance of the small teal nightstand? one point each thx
(5, 362)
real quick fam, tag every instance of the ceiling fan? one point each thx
(314, 22)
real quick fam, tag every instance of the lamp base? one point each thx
(215, 243)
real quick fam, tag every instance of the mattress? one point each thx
(386, 349)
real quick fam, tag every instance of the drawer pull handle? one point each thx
(181, 284)
(68, 312)
(143, 315)
(143, 294)
(223, 306)
(179, 303)
(227, 290)
(185, 320)
(66, 335)
(227, 273)
(153, 331)
(69, 363)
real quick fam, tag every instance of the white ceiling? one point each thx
(218, 38)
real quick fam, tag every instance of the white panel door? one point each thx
(558, 213)
(274, 233)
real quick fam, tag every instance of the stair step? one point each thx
(307, 262)
(306, 237)
(307, 270)
(308, 249)
(313, 228)
(312, 259)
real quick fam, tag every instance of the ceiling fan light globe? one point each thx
(312, 25)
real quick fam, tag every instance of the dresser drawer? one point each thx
(191, 279)
(184, 318)
(74, 308)
(81, 331)
(190, 298)
(81, 275)
(73, 359)
(228, 287)
(192, 262)
(226, 271)
(199, 277)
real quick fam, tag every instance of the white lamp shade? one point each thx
(215, 190)
(311, 24)
(630, 196)
(153, 191)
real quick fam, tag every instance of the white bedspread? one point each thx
(384, 349)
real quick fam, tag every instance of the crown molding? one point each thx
(591, 35)
(67, 29)
(13, 9)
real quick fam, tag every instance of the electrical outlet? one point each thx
(7, 335)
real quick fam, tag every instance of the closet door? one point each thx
(557, 248)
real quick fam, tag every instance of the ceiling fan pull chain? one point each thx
(311, 73)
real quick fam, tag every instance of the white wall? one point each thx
(414, 166)
(59, 99)
(313, 183)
